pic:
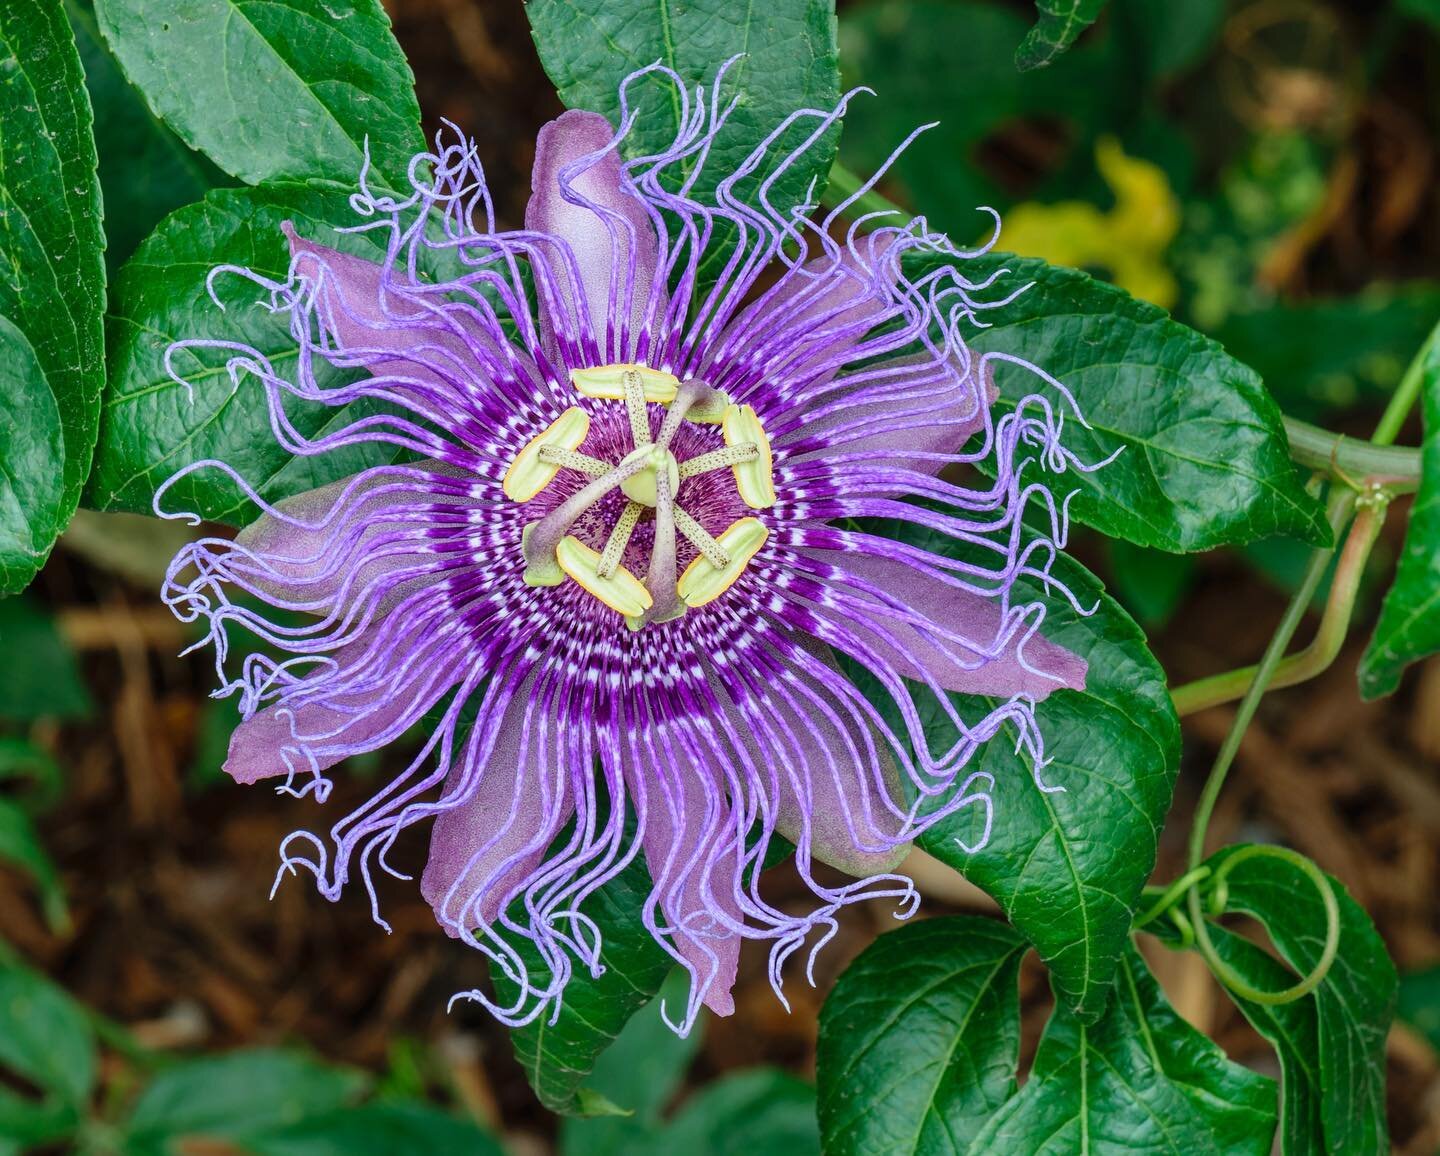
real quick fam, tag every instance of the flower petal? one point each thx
(921, 647)
(497, 837)
(318, 731)
(693, 852)
(598, 213)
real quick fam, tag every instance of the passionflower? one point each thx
(652, 482)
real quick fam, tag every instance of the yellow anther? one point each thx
(528, 474)
(703, 581)
(641, 487)
(608, 381)
(621, 591)
(754, 479)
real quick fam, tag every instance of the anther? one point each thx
(754, 479)
(530, 473)
(621, 590)
(703, 581)
(608, 382)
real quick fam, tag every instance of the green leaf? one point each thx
(1425, 10)
(1150, 584)
(1205, 459)
(1139, 1081)
(1293, 1030)
(273, 89)
(920, 1039)
(1067, 867)
(48, 683)
(32, 497)
(1173, 36)
(382, 1128)
(559, 1057)
(1355, 1001)
(20, 846)
(52, 271)
(641, 1071)
(1059, 25)
(951, 61)
(762, 1112)
(236, 1097)
(145, 171)
(152, 428)
(791, 62)
(1420, 1003)
(46, 1040)
(1409, 626)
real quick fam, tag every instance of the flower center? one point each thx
(649, 477)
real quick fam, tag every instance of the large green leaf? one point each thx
(761, 1112)
(45, 1039)
(273, 89)
(382, 1128)
(1204, 462)
(52, 270)
(234, 1097)
(641, 1071)
(559, 1056)
(1059, 25)
(48, 683)
(790, 62)
(145, 171)
(1140, 1081)
(1293, 1030)
(1355, 1001)
(152, 426)
(1068, 866)
(32, 512)
(919, 1040)
(1409, 626)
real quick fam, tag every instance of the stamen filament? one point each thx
(721, 459)
(542, 538)
(700, 538)
(635, 407)
(574, 460)
(619, 539)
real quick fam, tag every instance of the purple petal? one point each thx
(610, 233)
(313, 735)
(849, 826)
(498, 837)
(1036, 668)
(692, 852)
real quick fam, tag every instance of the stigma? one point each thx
(652, 480)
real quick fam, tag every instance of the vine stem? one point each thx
(1402, 401)
(1342, 503)
(1329, 638)
(1395, 467)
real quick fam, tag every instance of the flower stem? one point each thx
(1402, 401)
(1323, 649)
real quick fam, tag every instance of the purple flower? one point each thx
(649, 457)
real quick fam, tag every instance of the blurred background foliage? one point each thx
(1263, 168)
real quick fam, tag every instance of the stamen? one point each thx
(621, 591)
(530, 473)
(573, 460)
(700, 538)
(608, 382)
(541, 539)
(721, 459)
(619, 539)
(754, 479)
(703, 581)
